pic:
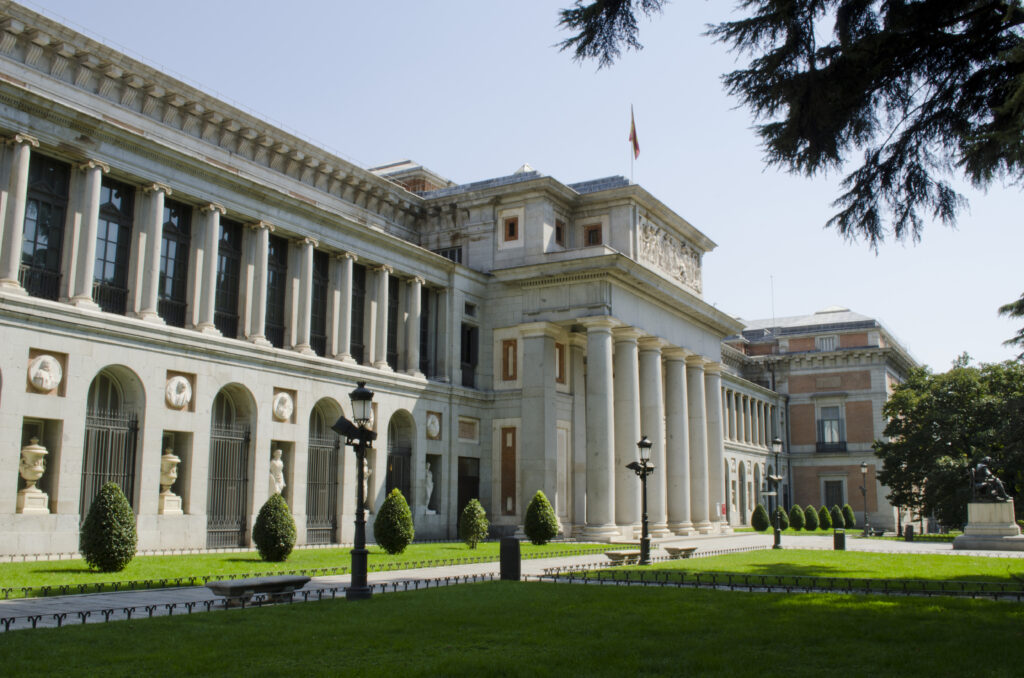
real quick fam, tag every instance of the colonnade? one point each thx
(748, 419)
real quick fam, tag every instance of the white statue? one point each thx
(430, 488)
(276, 473)
(366, 481)
(433, 426)
(45, 373)
(178, 392)
(283, 406)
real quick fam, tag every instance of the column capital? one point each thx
(304, 241)
(417, 280)
(347, 255)
(21, 138)
(156, 187)
(384, 268)
(213, 207)
(599, 322)
(695, 360)
(712, 367)
(630, 334)
(93, 164)
(675, 353)
(652, 343)
(539, 329)
(260, 226)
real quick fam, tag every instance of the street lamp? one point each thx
(776, 481)
(864, 491)
(643, 468)
(358, 436)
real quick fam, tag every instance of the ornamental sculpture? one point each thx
(45, 373)
(178, 393)
(32, 466)
(170, 503)
(986, 486)
(283, 406)
(669, 254)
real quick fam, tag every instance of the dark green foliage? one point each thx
(849, 518)
(782, 517)
(473, 524)
(541, 525)
(796, 517)
(810, 518)
(274, 531)
(602, 25)
(836, 514)
(1015, 309)
(392, 528)
(108, 538)
(759, 519)
(824, 519)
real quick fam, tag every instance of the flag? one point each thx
(632, 134)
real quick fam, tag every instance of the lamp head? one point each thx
(776, 445)
(645, 449)
(864, 469)
(362, 404)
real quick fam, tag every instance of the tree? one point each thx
(108, 538)
(836, 514)
(274, 530)
(473, 524)
(541, 525)
(849, 517)
(780, 518)
(759, 519)
(917, 92)
(392, 527)
(796, 517)
(939, 426)
(810, 519)
(824, 519)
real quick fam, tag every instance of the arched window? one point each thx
(228, 494)
(322, 480)
(400, 455)
(111, 441)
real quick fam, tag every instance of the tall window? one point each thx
(592, 235)
(469, 352)
(826, 343)
(277, 285)
(834, 493)
(318, 310)
(177, 236)
(426, 328)
(560, 232)
(356, 347)
(831, 433)
(511, 229)
(392, 348)
(229, 268)
(113, 247)
(44, 226)
(509, 371)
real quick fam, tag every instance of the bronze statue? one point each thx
(986, 486)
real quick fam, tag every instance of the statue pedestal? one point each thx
(170, 504)
(32, 500)
(990, 527)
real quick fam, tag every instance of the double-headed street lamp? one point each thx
(643, 468)
(864, 491)
(358, 436)
(776, 481)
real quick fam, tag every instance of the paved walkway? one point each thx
(23, 613)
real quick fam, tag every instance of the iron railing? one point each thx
(172, 311)
(322, 490)
(40, 282)
(111, 298)
(110, 446)
(228, 487)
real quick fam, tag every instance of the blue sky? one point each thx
(474, 89)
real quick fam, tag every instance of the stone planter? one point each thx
(32, 467)
(170, 503)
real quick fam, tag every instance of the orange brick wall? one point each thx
(801, 422)
(801, 344)
(860, 427)
(854, 340)
(830, 381)
(761, 349)
(807, 486)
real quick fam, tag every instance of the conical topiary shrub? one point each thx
(473, 524)
(108, 538)
(759, 519)
(782, 517)
(393, 528)
(796, 517)
(849, 516)
(274, 531)
(838, 521)
(541, 525)
(824, 519)
(810, 519)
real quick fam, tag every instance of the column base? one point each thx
(383, 366)
(259, 340)
(304, 349)
(208, 328)
(660, 531)
(150, 317)
(704, 527)
(9, 286)
(725, 528)
(345, 358)
(681, 529)
(605, 533)
(416, 373)
(85, 303)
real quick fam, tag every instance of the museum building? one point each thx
(188, 294)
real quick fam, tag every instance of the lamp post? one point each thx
(864, 491)
(643, 468)
(776, 481)
(358, 436)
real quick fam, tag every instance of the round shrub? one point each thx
(824, 519)
(759, 520)
(782, 517)
(810, 519)
(838, 521)
(108, 538)
(796, 517)
(393, 528)
(849, 516)
(473, 524)
(274, 531)
(541, 524)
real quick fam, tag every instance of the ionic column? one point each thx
(380, 320)
(677, 443)
(210, 226)
(148, 255)
(627, 428)
(600, 431)
(14, 213)
(307, 245)
(760, 424)
(412, 342)
(652, 425)
(344, 316)
(746, 419)
(260, 254)
(86, 266)
(697, 414)
(728, 414)
(538, 460)
(716, 446)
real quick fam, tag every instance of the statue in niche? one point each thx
(430, 490)
(986, 486)
(366, 482)
(178, 392)
(276, 472)
(45, 373)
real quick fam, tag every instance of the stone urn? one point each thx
(32, 467)
(170, 503)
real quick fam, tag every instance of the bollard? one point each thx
(511, 565)
(839, 540)
(908, 533)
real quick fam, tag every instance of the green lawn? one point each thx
(520, 629)
(56, 573)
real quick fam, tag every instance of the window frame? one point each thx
(589, 229)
